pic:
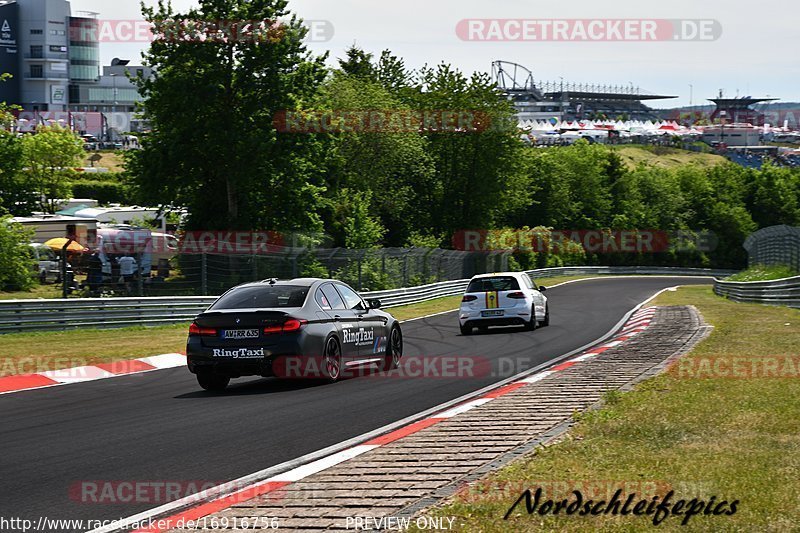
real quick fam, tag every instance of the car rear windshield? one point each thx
(263, 297)
(498, 283)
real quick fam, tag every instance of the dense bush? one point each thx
(105, 192)
(15, 257)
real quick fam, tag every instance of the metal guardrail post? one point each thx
(294, 264)
(140, 277)
(360, 284)
(330, 262)
(203, 274)
(64, 280)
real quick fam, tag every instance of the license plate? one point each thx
(240, 334)
(492, 313)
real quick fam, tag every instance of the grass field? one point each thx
(112, 160)
(38, 291)
(712, 435)
(22, 353)
(634, 156)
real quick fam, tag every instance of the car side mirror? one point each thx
(374, 304)
(542, 289)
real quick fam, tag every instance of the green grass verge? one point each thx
(24, 353)
(38, 291)
(665, 157)
(736, 438)
(764, 273)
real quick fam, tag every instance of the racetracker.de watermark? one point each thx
(588, 30)
(600, 241)
(441, 367)
(386, 121)
(179, 30)
(159, 491)
(32, 365)
(739, 367)
(197, 242)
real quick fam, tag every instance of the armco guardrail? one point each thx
(59, 314)
(54, 315)
(393, 298)
(776, 292)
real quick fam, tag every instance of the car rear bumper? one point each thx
(237, 361)
(495, 321)
(231, 367)
(511, 316)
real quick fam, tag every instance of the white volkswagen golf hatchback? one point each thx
(504, 299)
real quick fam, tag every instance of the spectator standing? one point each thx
(127, 267)
(95, 277)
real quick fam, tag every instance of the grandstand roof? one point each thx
(740, 102)
(594, 95)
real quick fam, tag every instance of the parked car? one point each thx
(46, 264)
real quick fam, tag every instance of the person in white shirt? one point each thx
(127, 267)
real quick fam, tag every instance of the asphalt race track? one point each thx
(160, 426)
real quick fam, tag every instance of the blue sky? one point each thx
(755, 55)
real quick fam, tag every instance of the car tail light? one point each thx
(290, 326)
(516, 295)
(469, 298)
(198, 331)
(293, 324)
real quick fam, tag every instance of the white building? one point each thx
(733, 134)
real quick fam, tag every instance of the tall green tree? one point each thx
(358, 64)
(391, 72)
(358, 223)
(574, 186)
(16, 196)
(212, 103)
(480, 170)
(774, 196)
(394, 167)
(49, 157)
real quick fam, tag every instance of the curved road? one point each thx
(160, 427)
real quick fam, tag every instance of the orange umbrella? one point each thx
(58, 245)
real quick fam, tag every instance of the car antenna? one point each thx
(271, 281)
